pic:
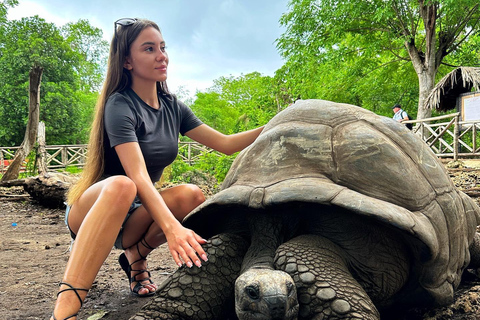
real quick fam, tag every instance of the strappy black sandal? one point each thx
(127, 267)
(71, 288)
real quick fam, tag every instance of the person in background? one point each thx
(400, 115)
(134, 137)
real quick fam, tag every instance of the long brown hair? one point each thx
(118, 79)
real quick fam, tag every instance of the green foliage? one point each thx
(209, 164)
(216, 112)
(363, 52)
(175, 172)
(31, 163)
(236, 104)
(87, 43)
(73, 169)
(71, 58)
(4, 5)
(252, 95)
(215, 165)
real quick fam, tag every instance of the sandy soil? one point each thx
(34, 248)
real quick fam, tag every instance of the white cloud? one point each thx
(206, 39)
(32, 8)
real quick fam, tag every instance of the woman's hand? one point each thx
(184, 244)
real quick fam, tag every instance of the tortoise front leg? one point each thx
(201, 293)
(325, 287)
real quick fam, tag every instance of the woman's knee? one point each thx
(194, 195)
(120, 189)
(183, 199)
(115, 193)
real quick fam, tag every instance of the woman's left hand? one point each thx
(185, 245)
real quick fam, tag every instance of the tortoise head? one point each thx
(265, 294)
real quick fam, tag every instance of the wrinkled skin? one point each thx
(350, 206)
(265, 294)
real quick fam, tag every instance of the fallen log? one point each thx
(48, 190)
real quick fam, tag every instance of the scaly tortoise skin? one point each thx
(332, 213)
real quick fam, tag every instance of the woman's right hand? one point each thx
(185, 246)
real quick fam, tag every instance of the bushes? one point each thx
(209, 165)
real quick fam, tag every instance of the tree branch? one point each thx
(454, 35)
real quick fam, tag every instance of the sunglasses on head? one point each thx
(124, 22)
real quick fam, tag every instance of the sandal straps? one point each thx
(71, 288)
(139, 272)
(145, 244)
(127, 267)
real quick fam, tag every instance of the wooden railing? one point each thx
(448, 136)
(63, 156)
(190, 152)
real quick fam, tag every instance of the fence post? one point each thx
(456, 131)
(474, 138)
(64, 156)
(41, 153)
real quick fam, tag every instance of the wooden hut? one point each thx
(445, 94)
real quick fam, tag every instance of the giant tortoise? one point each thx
(333, 212)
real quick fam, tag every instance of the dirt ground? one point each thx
(34, 248)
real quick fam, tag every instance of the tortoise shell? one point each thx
(342, 155)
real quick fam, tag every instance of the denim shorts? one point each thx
(118, 242)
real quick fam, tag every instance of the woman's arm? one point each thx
(182, 242)
(227, 144)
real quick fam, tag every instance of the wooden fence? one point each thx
(446, 135)
(63, 156)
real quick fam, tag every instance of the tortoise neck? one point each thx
(267, 233)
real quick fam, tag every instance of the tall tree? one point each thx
(216, 112)
(380, 33)
(252, 95)
(35, 76)
(235, 104)
(92, 50)
(70, 77)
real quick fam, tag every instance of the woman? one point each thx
(134, 136)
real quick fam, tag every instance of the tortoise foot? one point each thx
(200, 293)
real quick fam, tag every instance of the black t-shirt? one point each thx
(129, 119)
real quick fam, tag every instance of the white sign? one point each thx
(471, 107)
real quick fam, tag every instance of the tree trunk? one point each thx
(425, 63)
(13, 170)
(428, 69)
(426, 82)
(41, 153)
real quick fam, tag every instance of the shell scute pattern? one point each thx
(338, 154)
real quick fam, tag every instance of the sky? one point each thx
(206, 39)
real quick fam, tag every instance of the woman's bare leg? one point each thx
(140, 226)
(96, 218)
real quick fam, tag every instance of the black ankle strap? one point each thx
(71, 288)
(145, 244)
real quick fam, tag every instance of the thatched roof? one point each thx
(461, 80)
